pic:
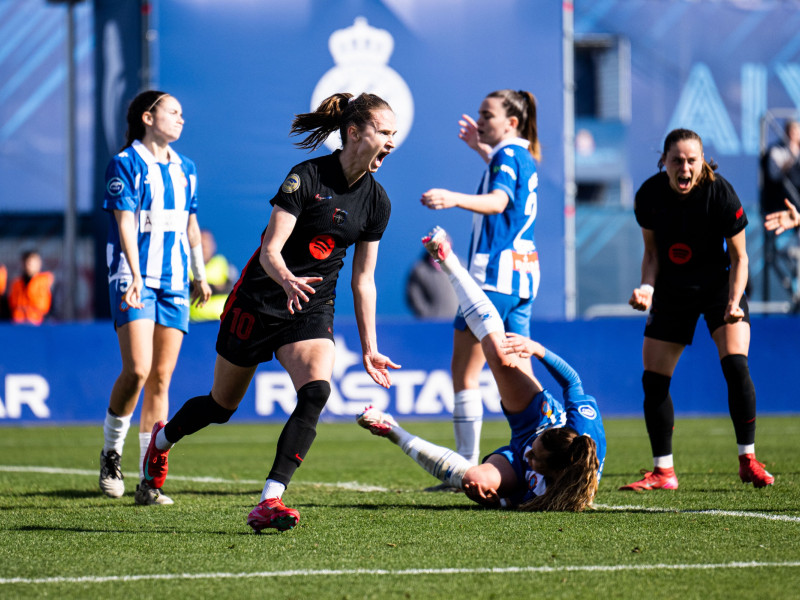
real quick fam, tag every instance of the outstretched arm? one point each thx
(783, 220)
(562, 372)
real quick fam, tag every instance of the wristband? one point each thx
(646, 287)
(198, 265)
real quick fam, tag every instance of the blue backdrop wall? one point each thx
(257, 64)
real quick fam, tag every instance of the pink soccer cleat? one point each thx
(752, 471)
(437, 243)
(271, 513)
(155, 465)
(658, 479)
(378, 422)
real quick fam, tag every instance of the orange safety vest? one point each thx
(30, 303)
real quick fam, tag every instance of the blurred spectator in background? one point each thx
(3, 299)
(220, 276)
(781, 170)
(30, 295)
(428, 291)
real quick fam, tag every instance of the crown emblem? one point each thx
(361, 44)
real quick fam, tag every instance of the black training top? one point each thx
(690, 233)
(330, 218)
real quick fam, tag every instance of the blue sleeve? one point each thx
(120, 192)
(504, 173)
(565, 375)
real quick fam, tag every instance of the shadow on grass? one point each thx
(137, 532)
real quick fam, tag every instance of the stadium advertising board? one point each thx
(64, 373)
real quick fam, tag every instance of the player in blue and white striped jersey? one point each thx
(154, 236)
(502, 253)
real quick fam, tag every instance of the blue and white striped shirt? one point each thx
(503, 255)
(162, 196)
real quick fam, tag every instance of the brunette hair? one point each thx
(336, 112)
(679, 135)
(574, 458)
(522, 104)
(144, 102)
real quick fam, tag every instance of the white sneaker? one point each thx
(437, 243)
(378, 423)
(147, 496)
(111, 475)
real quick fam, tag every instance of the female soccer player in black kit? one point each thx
(688, 216)
(283, 303)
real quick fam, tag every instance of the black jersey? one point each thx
(330, 217)
(690, 233)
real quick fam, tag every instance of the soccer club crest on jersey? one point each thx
(339, 216)
(291, 183)
(115, 186)
(321, 247)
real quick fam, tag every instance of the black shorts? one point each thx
(248, 337)
(674, 321)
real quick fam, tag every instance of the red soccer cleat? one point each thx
(379, 423)
(752, 471)
(437, 243)
(155, 465)
(271, 513)
(657, 479)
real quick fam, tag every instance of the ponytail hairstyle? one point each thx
(522, 104)
(336, 112)
(679, 135)
(574, 458)
(144, 102)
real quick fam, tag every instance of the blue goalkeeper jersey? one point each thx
(162, 196)
(502, 254)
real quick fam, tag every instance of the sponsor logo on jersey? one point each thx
(588, 411)
(115, 186)
(739, 213)
(319, 198)
(291, 184)
(321, 247)
(680, 254)
(525, 263)
(339, 216)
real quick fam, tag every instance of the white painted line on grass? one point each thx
(713, 512)
(352, 486)
(399, 572)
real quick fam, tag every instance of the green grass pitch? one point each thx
(367, 529)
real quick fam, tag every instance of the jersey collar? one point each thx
(522, 142)
(148, 157)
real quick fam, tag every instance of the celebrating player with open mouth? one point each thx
(689, 216)
(283, 303)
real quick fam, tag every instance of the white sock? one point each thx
(144, 443)
(162, 443)
(467, 423)
(272, 489)
(746, 449)
(444, 464)
(479, 312)
(663, 462)
(114, 431)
